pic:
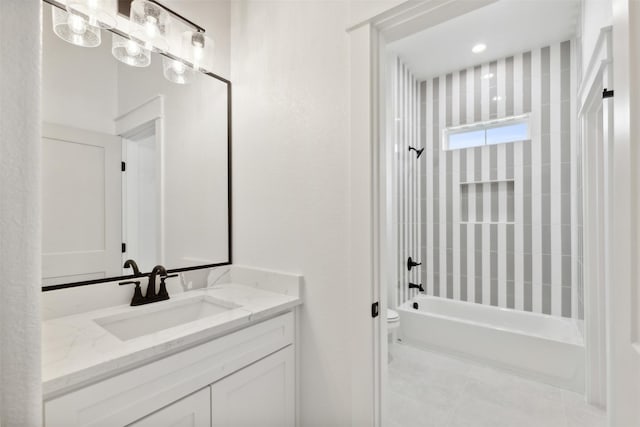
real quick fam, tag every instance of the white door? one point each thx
(261, 394)
(192, 411)
(80, 204)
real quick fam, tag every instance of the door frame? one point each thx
(596, 166)
(368, 255)
(367, 200)
(623, 348)
(150, 111)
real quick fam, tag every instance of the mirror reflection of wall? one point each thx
(170, 206)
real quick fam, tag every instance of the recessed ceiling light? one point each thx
(480, 47)
(488, 76)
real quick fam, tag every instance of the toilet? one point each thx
(393, 322)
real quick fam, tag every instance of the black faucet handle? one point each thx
(131, 282)
(137, 299)
(411, 263)
(162, 293)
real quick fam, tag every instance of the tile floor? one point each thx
(431, 389)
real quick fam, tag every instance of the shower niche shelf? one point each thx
(487, 202)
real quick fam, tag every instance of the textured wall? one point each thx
(291, 154)
(20, 382)
(505, 238)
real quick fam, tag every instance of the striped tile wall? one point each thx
(499, 220)
(408, 171)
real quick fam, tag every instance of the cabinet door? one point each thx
(262, 394)
(192, 411)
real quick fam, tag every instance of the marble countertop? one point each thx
(76, 351)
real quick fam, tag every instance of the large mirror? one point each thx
(134, 166)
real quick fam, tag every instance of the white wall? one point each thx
(20, 381)
(290, 68)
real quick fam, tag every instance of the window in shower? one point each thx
(508, 129)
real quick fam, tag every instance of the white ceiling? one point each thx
(506, 27)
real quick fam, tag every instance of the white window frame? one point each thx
(484, 126)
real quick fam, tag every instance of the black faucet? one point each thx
(132, 264)
(414, 286)
(151, 295)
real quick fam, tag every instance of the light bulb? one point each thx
(177, 71)
(76, 24)
(197, 49)
(197, 41)
(93, 7)
(132, 48)
(151, 26)
(178, 67)
(129, 52)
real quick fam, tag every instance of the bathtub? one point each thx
(545, 348)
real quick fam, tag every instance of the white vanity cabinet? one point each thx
(259, 395)
(245, 378)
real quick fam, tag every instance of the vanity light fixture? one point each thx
(149, 25)
(151, 28)
(75, 29)
(98, 13)
(176, 71)
(479, 48)
(129, 52)
(488, 76)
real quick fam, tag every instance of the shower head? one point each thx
(418, 151)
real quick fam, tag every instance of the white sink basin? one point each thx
(162, 315)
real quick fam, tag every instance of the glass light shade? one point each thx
(176, 71)
(198, 49)
(149, 25)
(129, 52)
(75, 29)
(99, 13)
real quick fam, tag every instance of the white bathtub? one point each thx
(546, 348)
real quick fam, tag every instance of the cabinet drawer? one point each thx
(127, 397)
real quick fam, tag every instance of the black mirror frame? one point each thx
(47, 288)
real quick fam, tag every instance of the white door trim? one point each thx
(622, 277)
(595, 121)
